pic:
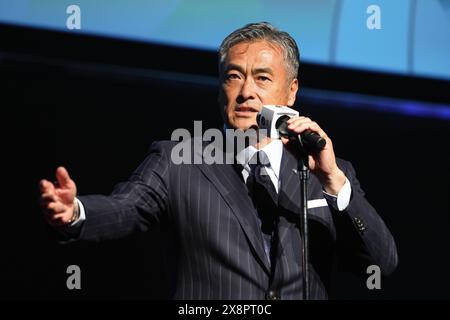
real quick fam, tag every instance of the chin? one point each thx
(242, 123)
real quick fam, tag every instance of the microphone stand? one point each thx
(304, 149)
(308, 142)
(303, 171)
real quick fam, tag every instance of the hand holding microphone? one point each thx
(284, 123)
(275, 119)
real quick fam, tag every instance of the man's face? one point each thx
(253, 74)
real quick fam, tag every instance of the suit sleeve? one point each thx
(133, 206)
(362, 237)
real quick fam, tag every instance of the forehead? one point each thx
(261, 52)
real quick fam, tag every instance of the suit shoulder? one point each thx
(162, 146)
(344, 165)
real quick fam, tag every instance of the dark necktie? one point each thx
(265, 198)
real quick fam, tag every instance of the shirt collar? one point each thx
(273, 150)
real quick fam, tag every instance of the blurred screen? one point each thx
(412, 37)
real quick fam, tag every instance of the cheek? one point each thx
(225, 105)
(225, 95)
(267, 93)
(280, 96)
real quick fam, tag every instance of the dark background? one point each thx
(95, 105)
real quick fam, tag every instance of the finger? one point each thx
(301, 121)
(49, 213)
(300, 127)
(57, 216)
(57, 221)
(311, 163)
(46, 186)
(63, 177)
(293, 119)
(65, 196)
(55, 207)
(298, 120)
(49, 197)
(60, 219)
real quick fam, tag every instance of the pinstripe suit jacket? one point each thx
(213, 238)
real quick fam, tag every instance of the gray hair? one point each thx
(264, 31)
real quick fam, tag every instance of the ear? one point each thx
(292, 94)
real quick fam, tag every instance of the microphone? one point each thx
(274, 119)
(310, 141)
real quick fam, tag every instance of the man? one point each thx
(223, 243)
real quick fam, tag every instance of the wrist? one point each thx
(76, 212)
(334, 182)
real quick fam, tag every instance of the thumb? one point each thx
(63, 177)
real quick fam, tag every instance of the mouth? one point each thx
(246, 110)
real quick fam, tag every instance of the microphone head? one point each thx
(282, 126)
(258, 118)
(269, 118)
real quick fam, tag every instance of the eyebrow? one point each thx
(263, 70)
(232, 66)
(254, 71)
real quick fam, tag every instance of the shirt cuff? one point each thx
(341, 201)
(72, 230)
(82, 216)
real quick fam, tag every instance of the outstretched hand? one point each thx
(58, 198)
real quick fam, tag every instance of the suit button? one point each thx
(272, 295)
(360, 224)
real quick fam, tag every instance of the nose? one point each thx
(247, 91)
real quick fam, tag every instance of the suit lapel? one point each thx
(231, 186)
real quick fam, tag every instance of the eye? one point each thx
(232, 76)
(263, 78)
